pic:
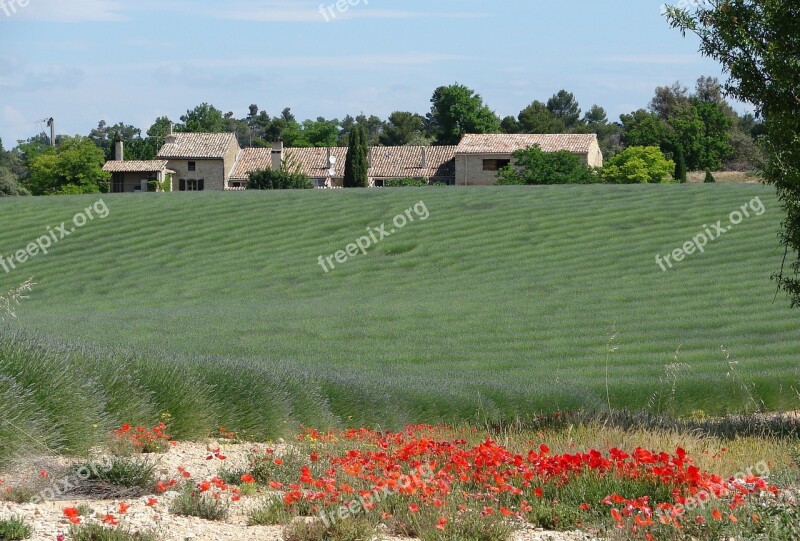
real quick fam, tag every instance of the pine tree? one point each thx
(680, 166)
(709, 177)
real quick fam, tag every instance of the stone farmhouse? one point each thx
(214, 161)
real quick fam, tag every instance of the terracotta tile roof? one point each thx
(135, 166)
(397, 162)
(314, 161)
(249, 160)
(386, 162)
(198, 145)
(508, 144)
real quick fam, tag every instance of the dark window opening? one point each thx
(495, 165)
(192, 166)
(117, 183)
(193, 185)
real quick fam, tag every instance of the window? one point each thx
(192, 166)
(379, 183)
(194, 185)
(117, 183)
(495, 165)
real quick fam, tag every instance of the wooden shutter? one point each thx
(200, 184)
(182, 185)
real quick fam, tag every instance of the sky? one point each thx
(82, 61)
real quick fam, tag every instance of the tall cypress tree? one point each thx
(356, 168)
(680, 165)
(349, 169)
(362, 180)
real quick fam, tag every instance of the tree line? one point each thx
(698, 130)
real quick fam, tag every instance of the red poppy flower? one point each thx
(247, 478)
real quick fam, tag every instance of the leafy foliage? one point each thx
(267, 179)
(458, 110)
(404, 128)
(534, 166)
(14, 529)
(404, 182)
(75, 166)
(9, 184)
(638, 165)
(97, 532)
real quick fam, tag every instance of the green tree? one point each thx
(716, 134)
(564, 107)
(668, 100)
(510, 124)
(534, 166)
(537, 118)
(311, 133)
(204, 118)
(75, 166)
(458, 110)
(356, 168)
(638, 165)
(404, 128)
(372, 125)
(9, 184)
(709, 177)
(643, 129)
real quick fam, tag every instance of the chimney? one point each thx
(52, 125)
(424, 158)
(119, 149)
(277, 154)
(171, 139)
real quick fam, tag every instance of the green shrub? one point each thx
(124, 472)
(18, 494)
(192, 503)
(534, 166)
(343, 530)
(272, 511)
(97, 532)
(637, 165)
(9, 184)
(267, 179)
(404, 182)
(14, 529)
(709, 177)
